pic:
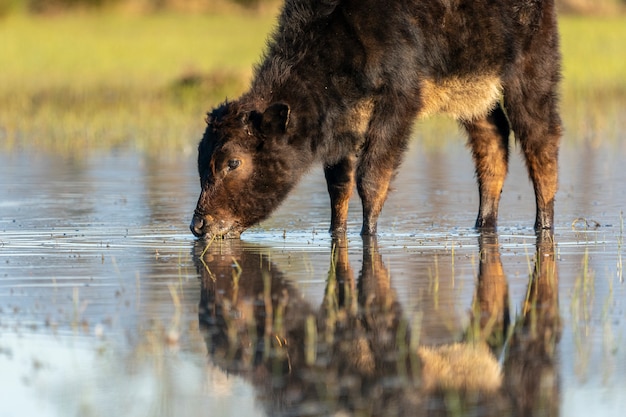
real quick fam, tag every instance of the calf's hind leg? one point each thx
(489, 142)
(534, 118)
(540, 144)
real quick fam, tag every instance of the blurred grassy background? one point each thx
(142, 74)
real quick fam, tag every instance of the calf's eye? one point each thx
(234, 164)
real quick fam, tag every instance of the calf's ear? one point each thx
(275, 119)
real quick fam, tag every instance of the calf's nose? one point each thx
(197, 226)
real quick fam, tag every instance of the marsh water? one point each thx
(109, 306)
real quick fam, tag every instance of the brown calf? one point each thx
(341, 84)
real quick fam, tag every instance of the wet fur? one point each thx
(356, 73)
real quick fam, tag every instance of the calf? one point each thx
(342, 82)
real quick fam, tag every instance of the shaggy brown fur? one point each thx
(342, 82)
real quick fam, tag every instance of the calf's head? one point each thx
(245, 168)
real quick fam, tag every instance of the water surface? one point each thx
(109, 306)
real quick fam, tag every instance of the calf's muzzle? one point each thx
(198, 225)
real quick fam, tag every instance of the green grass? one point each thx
(594, 57)
(83, 80)
(87, 50)
(87, 80)
(594, 84)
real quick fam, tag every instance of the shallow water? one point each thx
(108, 305)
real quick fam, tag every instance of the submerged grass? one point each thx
(80, 81)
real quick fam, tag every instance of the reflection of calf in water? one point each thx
(532, 378)
(354, 353)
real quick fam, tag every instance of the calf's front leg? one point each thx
(373, 187)
(340, 183)
(377, 166)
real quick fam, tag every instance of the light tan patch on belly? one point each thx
(464, 98)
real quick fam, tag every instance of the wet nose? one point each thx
(196, 226)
